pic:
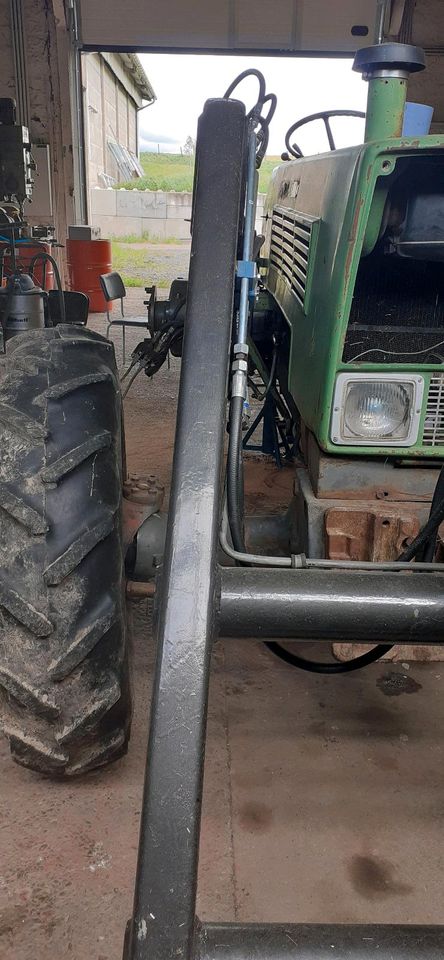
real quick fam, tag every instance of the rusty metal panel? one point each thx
(354, 478)
(318, 26)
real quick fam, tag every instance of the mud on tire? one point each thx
(65, 702)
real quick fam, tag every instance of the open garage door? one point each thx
(263, 26)
(304, 27)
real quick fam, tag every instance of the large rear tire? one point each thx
(65, 702)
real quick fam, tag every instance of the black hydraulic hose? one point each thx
(242, 76)
(43, 255)
(255, 114)
(314, 666)
(427, 553)
(430, 529)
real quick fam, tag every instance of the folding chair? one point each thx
(113, 288)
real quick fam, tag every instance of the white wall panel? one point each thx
(260, 25)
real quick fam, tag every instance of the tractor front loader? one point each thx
(339, 310)
(345, 326)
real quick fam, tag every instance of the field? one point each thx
(172, 171)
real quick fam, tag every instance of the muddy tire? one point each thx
(65, 701)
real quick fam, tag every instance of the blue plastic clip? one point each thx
(246, 268)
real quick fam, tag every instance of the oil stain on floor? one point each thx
(393, 684)
(374, 878)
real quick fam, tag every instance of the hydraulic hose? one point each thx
(240, 354)
(315, 666)
(43, 255)
(424, 545)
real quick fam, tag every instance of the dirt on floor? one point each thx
(323, 796)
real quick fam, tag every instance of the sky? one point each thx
(182, 82)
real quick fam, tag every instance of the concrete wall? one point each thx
(158, 213)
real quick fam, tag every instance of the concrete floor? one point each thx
(323, 799)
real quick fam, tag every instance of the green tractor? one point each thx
(339, 310)
(353, 261)
(351, 272)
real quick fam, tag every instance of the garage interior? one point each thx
(323, 796)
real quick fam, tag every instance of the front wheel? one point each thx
(65, 702)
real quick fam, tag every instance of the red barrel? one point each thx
(87, 260)
(43, 272)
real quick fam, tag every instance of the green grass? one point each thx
(136, 267)
(171, 171)
(123, 257)
(145, 237)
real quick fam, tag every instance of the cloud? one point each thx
(303, 86)
(155, 138)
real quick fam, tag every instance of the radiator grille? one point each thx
(397, 312)
(433, 434)
(290, 247)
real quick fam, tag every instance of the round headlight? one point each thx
(377, 409)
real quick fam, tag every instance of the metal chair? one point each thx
(113, 288)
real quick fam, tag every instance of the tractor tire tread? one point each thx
(65, 697)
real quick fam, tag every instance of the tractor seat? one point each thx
(113, 288)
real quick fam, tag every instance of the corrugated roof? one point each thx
(133, 66)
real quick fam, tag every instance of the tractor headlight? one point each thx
(372, 410)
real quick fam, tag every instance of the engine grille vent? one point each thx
(433, 434)
(290, 247)
(397, 312)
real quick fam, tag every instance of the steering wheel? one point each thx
(324, 115)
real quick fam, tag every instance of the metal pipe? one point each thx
(331, 605)
(381, 14)
(300, 561)
(250, 206)
(77, 113)
(385, 106)
(262, 532)
(318, 941)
